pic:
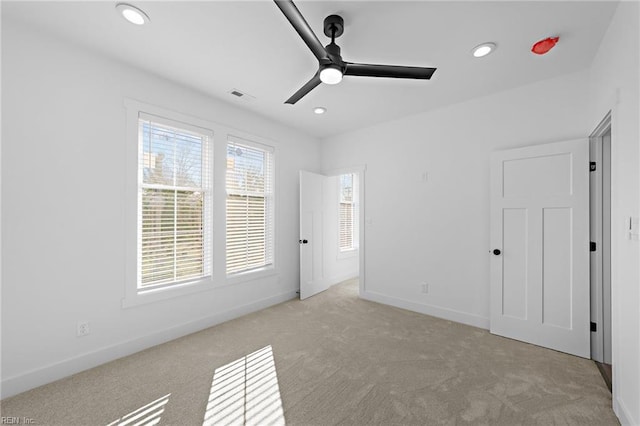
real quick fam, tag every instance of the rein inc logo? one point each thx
(6, 420)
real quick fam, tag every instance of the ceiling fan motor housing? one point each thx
(333, 50)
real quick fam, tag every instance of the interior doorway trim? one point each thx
(600, 227)
(602, 128)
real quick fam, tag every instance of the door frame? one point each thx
(361, 172)
(600, 260)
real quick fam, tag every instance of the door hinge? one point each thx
(594, 326)
(592, 166)
(592, 246)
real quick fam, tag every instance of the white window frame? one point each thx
(351, 251)
(133, 294)
(268, 269)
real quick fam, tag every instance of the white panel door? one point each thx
(312, 279)
(540, 245)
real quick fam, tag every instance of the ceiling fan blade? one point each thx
(304, 30)
(392, 71)
(309, 86)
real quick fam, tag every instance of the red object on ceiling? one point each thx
(543, 46)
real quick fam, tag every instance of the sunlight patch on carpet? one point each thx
(147, 415)
(246, 392)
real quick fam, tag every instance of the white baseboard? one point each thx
(41, 376)
(435, 311)
(623, 413)
(340, 278)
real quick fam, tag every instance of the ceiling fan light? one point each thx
(132, 14)
(331, 75)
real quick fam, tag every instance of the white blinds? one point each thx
(346, 214)
(250, 205)
(174, 202)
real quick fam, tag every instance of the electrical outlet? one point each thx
(82, 328)
(424, 287)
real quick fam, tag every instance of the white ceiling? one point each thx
(215, 46)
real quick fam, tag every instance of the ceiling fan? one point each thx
(331, 67)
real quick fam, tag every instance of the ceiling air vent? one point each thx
(241, 95)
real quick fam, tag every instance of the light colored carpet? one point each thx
(338, 360)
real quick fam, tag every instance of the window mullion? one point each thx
(171, 187)
(175, 212)
(246, 241)
(175, 235)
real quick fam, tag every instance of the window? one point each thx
(347, 213)
(174, 203)
(250, 206)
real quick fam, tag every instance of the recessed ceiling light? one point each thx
(319, 110)
(132, 14)
(483, 50)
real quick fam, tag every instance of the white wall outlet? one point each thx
(82, 328)
(424, 287)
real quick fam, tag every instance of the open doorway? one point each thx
(342, 232)
(331, 230)
(600, 230)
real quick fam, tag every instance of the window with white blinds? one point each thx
(250, 206)
(347, 213)
(174, 202)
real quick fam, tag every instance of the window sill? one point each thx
(255, 274)
(143, 297)
(347, 254)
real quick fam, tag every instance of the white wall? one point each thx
(337, 266)
(614, 86)
(63, 217)
(438, 231)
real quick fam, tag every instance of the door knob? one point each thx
(496, 252)
(303, 241)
